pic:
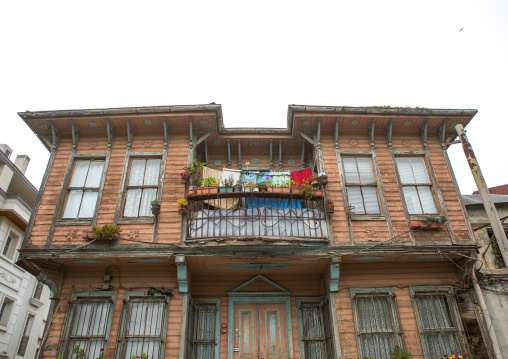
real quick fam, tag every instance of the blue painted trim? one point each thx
(259, 276)
(181, 274)
(334, 277)
(258, 266)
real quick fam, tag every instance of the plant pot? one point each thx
(91, 235)
(182, 210)
(286, 189)
(275, 189)
(238, 188)
(296, 190)
(247, 189)
(263, 188)
(318, 193)
(330, 208)
(323, 180)
(255, 189)
(193, 190)
(156, 209)
(424, 225)
(206, 190)
(225, 189)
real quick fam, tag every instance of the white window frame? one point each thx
(418, 186)
(124, 337)
(85, 189)
(13, 245)
(68, 340)
(396, 332)
(361, 186)
(128, 187)
(4, 322)
(451, 300)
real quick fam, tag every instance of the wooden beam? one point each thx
(371, 131)
(307, 138)
(442, 132)
(204, 137)
(319, 151)
(303, 155)
(75, 135)
(389, 133)
(166, 133)
(111, 134)
(318, 135)
(206, 152)
(55, 132)
(239, 154)
(229, 153)
(271, 155)
(190, 157)
(336, 133)
(280, 154)
(129, 134)
(423, 134)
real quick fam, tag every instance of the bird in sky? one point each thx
(461, 29)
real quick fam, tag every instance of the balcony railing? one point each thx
(256, 215)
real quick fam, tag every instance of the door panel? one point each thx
(273, 331)
(246, 338)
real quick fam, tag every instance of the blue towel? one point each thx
(273, 202)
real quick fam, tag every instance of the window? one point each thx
(10, 246)
(438, 320)
(6, 307)
(416, 185)
(38, 291)
(376, 322)
(143, 328)
(88, 324)
(315, 330)
(203, 334)
(361, 185)
(83, 189)
(141, 187)
(26, 334)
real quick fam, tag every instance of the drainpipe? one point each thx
(486, 315)
(490, 209)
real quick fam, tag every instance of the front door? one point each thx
(260, 331)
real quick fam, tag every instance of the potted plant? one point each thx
(106, 233)
(238, 186)
(428, 223)
(317, 191)
(330, 207)
(209, 186)
(249, 187)
(323, 179)
(182, 206)
(156, 207)
(294, 188)
(192, 171)
(306, 189)
(227, 184)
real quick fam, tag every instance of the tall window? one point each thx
(376, 323)
(438, 321)
(10, 245)
(141, 187)
(6, 307)
(416, 185)
(83, 189)
(26, 334)
(361, 185)
(203, 334)
(38, 290)
(143, 330)
(88, 325)
(315, 330)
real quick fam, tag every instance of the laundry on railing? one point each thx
(273, 202)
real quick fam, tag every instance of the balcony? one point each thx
(256, 215)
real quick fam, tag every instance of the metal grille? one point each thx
(203, 326)
(88, 326)
(254, 216)
(376, 324)
(143, 328)
(313, 335)
(439, 326)
(22, 345)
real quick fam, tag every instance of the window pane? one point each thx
(137, 172)
(419, 170)
(72, 205)
(149, 195)
(405, 172)
(88, 204)
(351, 170)
(94, 174)
(152, 172)
(412, 201)
(355, 199)
(79, 174)
(206, 315)
(427, 199)
(132, 202)
(370, 200)
(365, 169)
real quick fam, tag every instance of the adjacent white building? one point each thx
(23, 300)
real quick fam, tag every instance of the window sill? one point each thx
(74, 222)
(367, 217)
(36, 303)
(141, 220)
(3, 328)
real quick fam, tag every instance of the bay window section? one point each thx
(416, 185)
(83, 189)
(361, 185)
(142, 187)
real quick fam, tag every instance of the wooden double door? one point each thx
(260, 331)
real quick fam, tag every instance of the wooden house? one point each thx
(245, 274)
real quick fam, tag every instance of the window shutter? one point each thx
(427, 199)
(355, 199)
(412, 200)
(149, 195)
(152, 172)
(88, 204)
(132, 202)
(73, 203)
(370, 200)
(405, 172)
(365, 170)
(94, 176)
(351, 170)
(419, 170)
(137, 173)
(79, 174)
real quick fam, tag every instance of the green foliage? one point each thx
(107, 231)
(306, 189)
(210, 181)
(193, 171)
(182, 202)
(497, 252)
(228, 181)
(152, 291)
(429, 220)
(400, 353)
(80, 353)
(155, 201)
(143, 356)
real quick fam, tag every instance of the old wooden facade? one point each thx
(343, 285)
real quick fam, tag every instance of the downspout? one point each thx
(486, 316)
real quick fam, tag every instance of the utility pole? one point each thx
(490, 209)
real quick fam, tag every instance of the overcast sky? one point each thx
(255, 58)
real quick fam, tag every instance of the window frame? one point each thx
(30, 319)
(122, 339)
(448, 292)
(192, 325)
(125, 186)
(15, 242)
(387, 292)
(329, 351)
(108, 296)
(374, 184)
(4, 324)
(429, 184)
(67, 189)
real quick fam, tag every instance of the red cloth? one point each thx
(301, 175)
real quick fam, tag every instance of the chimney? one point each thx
(6, 149)
(22, 162)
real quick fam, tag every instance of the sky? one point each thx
(256, 58)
